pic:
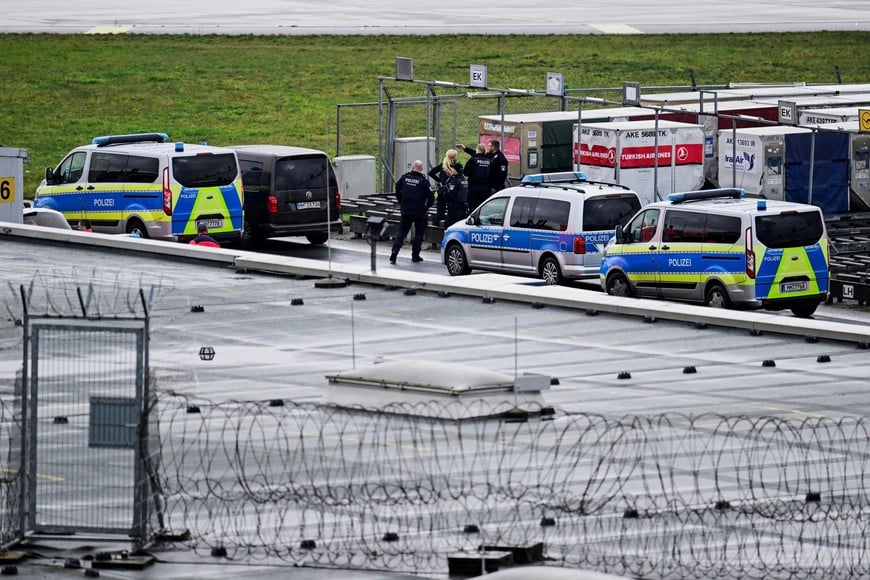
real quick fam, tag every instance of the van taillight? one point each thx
(579, 245)
(272, 204)
(336, 198)
(750, 254)
(167, 193)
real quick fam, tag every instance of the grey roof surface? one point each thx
(268, 348)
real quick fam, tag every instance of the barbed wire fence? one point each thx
(670, 495)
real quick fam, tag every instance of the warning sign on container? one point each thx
(864, 120)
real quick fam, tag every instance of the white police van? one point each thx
(717, 248)
(553, 225)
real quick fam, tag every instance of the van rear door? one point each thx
(206, 187)
(601, 215)
(791, 254)
(303, 188)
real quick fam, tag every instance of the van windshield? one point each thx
(789, 229)
(205, 170)
(306, 173)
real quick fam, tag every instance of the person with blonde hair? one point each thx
(452, 190)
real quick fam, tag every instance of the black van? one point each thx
(289, 191)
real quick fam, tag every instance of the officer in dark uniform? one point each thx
(499, 171)
(415, 198)
(477, 171)
(448, 206)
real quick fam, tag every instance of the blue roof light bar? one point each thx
(561, 177)
(130, 138)
(727, 192)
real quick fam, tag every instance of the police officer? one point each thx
(499, 171)
(415, 198)
(477, 172)
(448, 206)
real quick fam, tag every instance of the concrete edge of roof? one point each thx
(494, 286)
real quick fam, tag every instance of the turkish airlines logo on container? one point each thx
(597, 155)
(689, 154)
(682, 154)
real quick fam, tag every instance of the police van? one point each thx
(721, 249)
(553, 225)
(143, 185)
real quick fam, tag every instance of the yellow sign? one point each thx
(7, 189)
(864, 120)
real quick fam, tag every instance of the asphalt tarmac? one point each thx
(367, 17)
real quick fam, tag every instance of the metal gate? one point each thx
(86, 428)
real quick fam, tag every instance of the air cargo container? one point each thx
(751, 92)
(720, 115)
(821, 101)
(777, 162)
(652, 158)
(828, 115)
(859, 162)
(542, 142)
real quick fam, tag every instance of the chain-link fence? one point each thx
(76, 451)
(422, 120)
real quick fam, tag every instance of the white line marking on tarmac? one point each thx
(615, 28)
(109, 29)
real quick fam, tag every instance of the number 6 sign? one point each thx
(7, 189)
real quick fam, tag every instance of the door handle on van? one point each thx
(505, 237)
(79, 188)
(651, 248)
(90, 188)
(663, 247)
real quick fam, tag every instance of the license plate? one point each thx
(787, 287)
(308, 205)
(212, 224)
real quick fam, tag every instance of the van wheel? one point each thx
(136, 227)
(717, 297)
(617, 285)
(804, 310)
(318, 238)
(550, 271)
(457, 263)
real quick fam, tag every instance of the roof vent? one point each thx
(436, 390)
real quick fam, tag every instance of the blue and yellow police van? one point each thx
(141, 184)
(722, 249)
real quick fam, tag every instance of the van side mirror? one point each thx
(49, 176)
(471, 220)
(620, 235)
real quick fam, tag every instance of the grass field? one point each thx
(59, 91)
